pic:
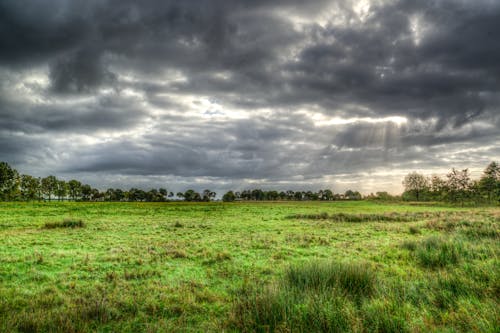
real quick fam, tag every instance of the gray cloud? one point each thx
(232, 92)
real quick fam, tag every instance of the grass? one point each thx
(68, 223)
(310, 297)
(344, 217)
(352, 279)
(436, 252)
(213, 267)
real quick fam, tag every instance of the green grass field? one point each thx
(283, 267)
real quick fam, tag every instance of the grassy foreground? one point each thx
(283, 267)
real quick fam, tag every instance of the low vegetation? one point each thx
(212, 267)
(343, 217)
(68, 223)
(311, 297)
(437, 252)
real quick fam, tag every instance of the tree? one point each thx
(246, 195)
(49, 186)
(109, 195)
(459, 185)
(119, 195)
(437, 188)
(114, 194)
(135, 194)
(352, 195)
(229, 197)
(8, 181)
(309, 195)
(153, 195)
(86, 191)
(95, 195)
(29, 187)
(326, 195)
(297, 195)
(74, 189)
(257, 194)
(208, 195)
(192, 195)
(272, 195)
(61, 189)
(416, 184)
(164, 194)
(489, 184)
(383, 196)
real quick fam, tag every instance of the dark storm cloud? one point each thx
(380, 65)
(78, 72)
(245, 89)
(34, 31)
(88, 116)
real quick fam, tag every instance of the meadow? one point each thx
(249, 266)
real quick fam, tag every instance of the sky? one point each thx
(249, 93)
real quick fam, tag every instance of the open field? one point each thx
(289, 266)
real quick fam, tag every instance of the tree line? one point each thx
(260, 195)
(14, 186)
(456, 187)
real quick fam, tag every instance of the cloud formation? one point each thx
(249, 93)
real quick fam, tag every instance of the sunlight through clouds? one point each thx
(290, 94)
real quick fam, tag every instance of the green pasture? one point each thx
(248, 266)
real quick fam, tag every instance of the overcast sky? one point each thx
(249, 93)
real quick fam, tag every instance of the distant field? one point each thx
(282, 266)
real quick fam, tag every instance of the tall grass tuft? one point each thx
(482, 230)
(310, 297)
(437, 252)
(68, 223)
(353, 279)
(414, 230)
(343, 217)
(278, 309)
(384, 317)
